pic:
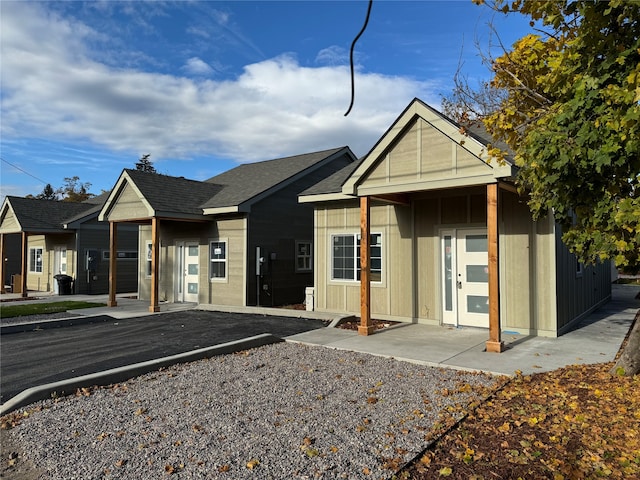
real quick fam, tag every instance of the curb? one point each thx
(55, 323)
(120, 374)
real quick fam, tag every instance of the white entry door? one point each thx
(465, 263)
(59, 265)
(187, 271)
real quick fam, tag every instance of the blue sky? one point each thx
(89, 87)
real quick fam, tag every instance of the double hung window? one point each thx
(218, 260)
(35, 260)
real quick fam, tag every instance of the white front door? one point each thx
(187, 271)
(59, 264)
(465, 269)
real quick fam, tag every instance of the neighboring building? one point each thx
(199, 240)
(44, 238)
(451, 241)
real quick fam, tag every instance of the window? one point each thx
(148, 262)
(303, 256)
(345, 261)
(35, 260)
(121, 255)
(218, 260)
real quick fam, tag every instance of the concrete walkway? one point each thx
(597, 339)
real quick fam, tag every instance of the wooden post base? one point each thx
(112, 303)
(366, 330)
(495, 347)
(154, 308)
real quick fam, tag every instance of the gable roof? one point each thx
(249, 182)
(331, 187)
(43, 216)
(474, 140)
(232, 191)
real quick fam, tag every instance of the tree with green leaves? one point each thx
(569, 107)
(566, 101)
(144, 164)
(75, 191)
(48, 193)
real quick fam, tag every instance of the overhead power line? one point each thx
(353, 46)
(22, 170)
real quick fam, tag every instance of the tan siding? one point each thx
(545, 280)
(231, 292)
(127, 206)
(468, 164)
(427, 262)
(9, 223)
(403, 166)
(41, 281)
(517, 286)
(423, 153)
(380, 174)
(436, 153)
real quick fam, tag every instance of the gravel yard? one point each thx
(281, 411)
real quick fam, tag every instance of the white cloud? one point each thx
(51, 89)
(196, 66)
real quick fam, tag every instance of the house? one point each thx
(44, 238)
(450, 240)
(240, 238)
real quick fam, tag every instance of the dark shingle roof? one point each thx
(246, 181)
(173, 194)
(333, 183)
(35, 214)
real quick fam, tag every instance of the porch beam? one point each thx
(494, 344)
(113, 252)
(23, 267)
(155, 261)
(3, 266)
(365, 327)
(394, 198)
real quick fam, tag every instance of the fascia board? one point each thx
(428, 185)
(324, 197)
(180, 216)
(221, 210)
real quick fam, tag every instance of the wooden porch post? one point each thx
(113, 253)
(2, 264)
(494, 344)
(365, 327)
(155, 261)
(23, 268)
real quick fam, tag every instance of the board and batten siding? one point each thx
(229, 291)
(128, 206)
(422, 153)
(580, 288)
(392, 297)
(94, 235)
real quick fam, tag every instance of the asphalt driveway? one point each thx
(32, 358)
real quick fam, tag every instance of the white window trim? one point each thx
(355, 281)
(224, 279)
(309, 255)
(32, 263)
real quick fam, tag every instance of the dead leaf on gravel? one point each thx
(253, 463)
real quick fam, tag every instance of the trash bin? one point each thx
(64, 284)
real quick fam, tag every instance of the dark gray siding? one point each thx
(275, 224)
(578, 293)
(95, 236)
